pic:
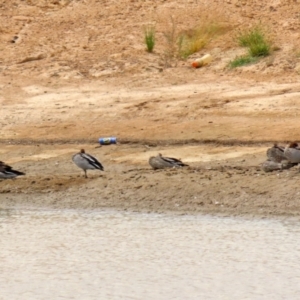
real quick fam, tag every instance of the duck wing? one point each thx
(292, 154)
(173, 161)
(92, 161)
(17, 173)
(8, 171)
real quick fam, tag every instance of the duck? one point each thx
(86, 162)
(161, 162)
(270, 165)
(276, 153)
(292, 152)
(7, 172)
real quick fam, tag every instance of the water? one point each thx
(112, 255)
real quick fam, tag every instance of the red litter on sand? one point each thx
(200, 62)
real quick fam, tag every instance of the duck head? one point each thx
(293, 145)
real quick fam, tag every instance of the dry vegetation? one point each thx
(98, 38)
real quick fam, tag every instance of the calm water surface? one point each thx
(112, 255)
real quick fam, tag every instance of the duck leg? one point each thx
(85, 175)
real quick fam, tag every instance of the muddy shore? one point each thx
(233, 186)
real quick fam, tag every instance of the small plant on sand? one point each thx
(149, 37)
(256, 42)
(242, 61)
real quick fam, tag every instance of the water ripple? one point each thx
(113, 255)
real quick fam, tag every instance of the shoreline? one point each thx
(227, 182)
(141, 142)
(266, 213)
(167, 213)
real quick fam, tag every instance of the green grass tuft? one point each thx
(258, 46)
(257, 50)
(149, 34)
(242, 61)
(256, 42)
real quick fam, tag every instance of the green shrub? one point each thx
(257, 50)
(256, 42)
(149, 34)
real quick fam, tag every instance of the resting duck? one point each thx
(292, 152)
(270, 165)
(161, 162)
(86, 162)
(7, 172)
(276, 153)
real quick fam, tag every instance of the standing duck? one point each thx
(292, 152)
(7, 172)
(86, 162)
(161, 162)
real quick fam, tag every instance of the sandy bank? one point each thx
(220, 180)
